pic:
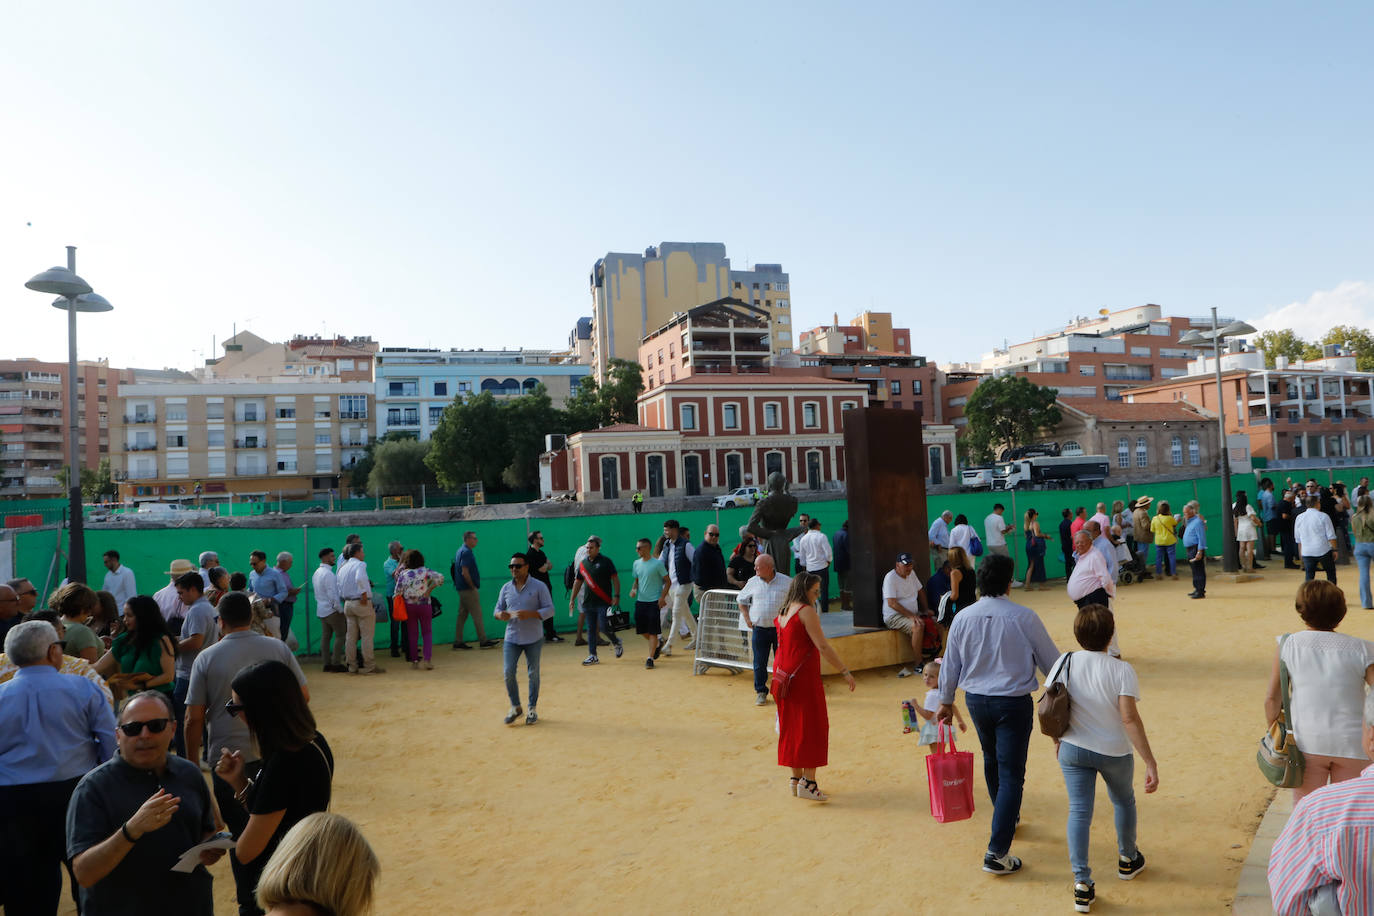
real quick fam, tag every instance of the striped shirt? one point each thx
(1328, 842)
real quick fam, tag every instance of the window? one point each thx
(177, 466)
(411, 416)
(215, 465)
(176, 413)
(730, 416)
(214, 438)
(214, 411)
(1071, 447)
(393, 416)
(286, 413)
(1194, 453)
(1123, 452)
(286, 436)
(324, 463)
(811, 415)
(895, 386)
(406, 389)
(322, 439)
(688, 415)
(250, 413)
(287, 465)
(848, 405)
(915, 386)
(1087, 370)
(353, 406)
(1142, 452)
(436, 416)
(176, 440)
(322, 411)
(772, 417)
(772, 464)
(344, 365)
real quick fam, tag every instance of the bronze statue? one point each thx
(770, 519)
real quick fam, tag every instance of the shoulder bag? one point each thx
(1052, 709)
(782, 678)
(1278, 756)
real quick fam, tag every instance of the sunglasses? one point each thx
(233, 708)
(517, 566)
(154, 726)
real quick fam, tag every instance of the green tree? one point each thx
(1283, 342)
(470, 443)
(1007, 411)
(399, 466)
(97, 484)
(1361, 344)
(528, 419)
(595, 406)
(361, 472)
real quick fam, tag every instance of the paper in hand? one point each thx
(191, 857)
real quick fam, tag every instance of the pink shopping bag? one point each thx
(949, 773)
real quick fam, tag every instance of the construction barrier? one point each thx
(722, 637)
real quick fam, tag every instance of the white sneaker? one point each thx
(906, 672)
(1015, 584)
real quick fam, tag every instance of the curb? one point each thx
(1252, 890)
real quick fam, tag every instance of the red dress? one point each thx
(803, 725)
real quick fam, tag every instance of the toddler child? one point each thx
(929, 731)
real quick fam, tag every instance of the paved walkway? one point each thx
(1252, 892)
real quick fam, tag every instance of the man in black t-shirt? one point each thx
(539, 569)
(598, 575)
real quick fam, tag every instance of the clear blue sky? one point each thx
(441, 174)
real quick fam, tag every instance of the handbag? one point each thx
(975, 546)
(949, 776)
(1278, 756)
(782, 679)
(617, 620)
(398, 608)
(435, 607)
(1052, 709)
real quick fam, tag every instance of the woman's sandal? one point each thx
(809, 789)
(794, 781)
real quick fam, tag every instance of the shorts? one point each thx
(647, 618)
(900, 622)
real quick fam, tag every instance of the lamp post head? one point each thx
(86, 302)
(60, 282)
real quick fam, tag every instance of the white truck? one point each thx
(979, 478)
(1052, 472)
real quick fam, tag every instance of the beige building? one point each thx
(230, 439)
(1142, 441)
(248, 356)
(635, 294)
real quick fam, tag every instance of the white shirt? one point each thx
(120, 583)
(666, 556)
(813, 549)
(326, 585)
(995, 526)
(906, 590)
(352, 579)
(1096, 682)
(1327, 672)
(939, 532)
(1314, 532)
(205, 577)
(1090, 573)
(763, 600)
(1104, 522)
(961, 536)
(169, 602)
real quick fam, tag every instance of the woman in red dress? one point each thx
(803, 726)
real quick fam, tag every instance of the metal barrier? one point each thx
(722, 638)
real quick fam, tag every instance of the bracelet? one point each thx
(124, 829)
(243, 793)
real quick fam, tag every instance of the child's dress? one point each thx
(930, 729)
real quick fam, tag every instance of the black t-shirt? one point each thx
(143, 881)
(742, 569)
(537, 558)
(297, 782)
(601, 570)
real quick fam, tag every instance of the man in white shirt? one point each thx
(803, 522)
(676, 614)
(939, 537)
(760, 602)
(169, 600)
(1316, 538)
(328, 607)
(119, 581)
(355, 590)
(208, 561)
(814, 554)
(996, 528)
(905, 609)
(1093, 581)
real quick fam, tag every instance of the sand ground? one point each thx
(656, 789)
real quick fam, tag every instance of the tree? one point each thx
(528, 419)
(96, 484)
(1285, 343)
(399, 465)
(1007, 411)
(594, 406)
(1361, 344)
(470, 443)
(361, 471)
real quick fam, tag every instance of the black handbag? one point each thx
(617, 620)
(435, 607)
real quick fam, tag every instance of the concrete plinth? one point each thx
(862, 648)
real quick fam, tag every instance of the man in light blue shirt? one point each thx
(993, 649)
(938, 536)
(1195, 543)
(1269, 514)
(54, 728)
(264, 581)
(524, 603)
(1103, 545)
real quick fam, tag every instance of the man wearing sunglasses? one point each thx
(132, 817)
(524, 604)
(53, 729)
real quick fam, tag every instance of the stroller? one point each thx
(1130, 567)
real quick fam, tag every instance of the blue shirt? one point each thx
(994, 647)
(466, 559)
(533, 597)
(267, 584)
(53, 726)
(1195, 535)
(1104, 547)
(389, 569)
(1266, 501)
(649, 578)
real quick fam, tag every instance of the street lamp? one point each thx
(1195, 338)
(73, 295)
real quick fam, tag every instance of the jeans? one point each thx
(1161, 554)
(1004, 728)
(596, 619)
(285, 611)
(1199, 567)
(235, 819)
(511, 652)
(763, 640)
(180, 688)
(1364, 552)
(1326, 561)
(1081, 767)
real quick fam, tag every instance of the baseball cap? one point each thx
(904, 558)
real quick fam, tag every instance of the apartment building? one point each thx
(721, 337)
(246, 355)
(634, 294)
(34, 437)
(868, 332)
(413, 386)
(1314, 411)
(237, 438)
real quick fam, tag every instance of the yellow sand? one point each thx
(642, 790)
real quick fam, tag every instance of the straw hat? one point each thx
(1144, 502)
(181, 568)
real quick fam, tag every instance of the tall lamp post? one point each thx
(73, 295)
(1195, 338)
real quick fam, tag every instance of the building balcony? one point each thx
(140, 418)
(139, 447)
(36, 420)
(246, 443)
(1118, 375)
(353, 415)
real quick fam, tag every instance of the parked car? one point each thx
(744, 496)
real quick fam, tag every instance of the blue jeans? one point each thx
(511, 654)
(284, 614)
(1161, 554)
(1004, 729)
(1081, 767)
(763, 639)
(596, 620)
(1326, 561)
(1364, 552)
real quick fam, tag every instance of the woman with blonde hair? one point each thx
(1362, 527)
(961, 579)
(323, 865)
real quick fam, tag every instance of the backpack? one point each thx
(570, 576)
(975, 546)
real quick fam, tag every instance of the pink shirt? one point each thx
(1090, 573)
(1327, 842)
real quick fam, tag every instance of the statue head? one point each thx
(777, 483)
